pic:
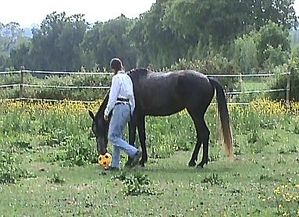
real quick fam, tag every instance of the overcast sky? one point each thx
(28, 12)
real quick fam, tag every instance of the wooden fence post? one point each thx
(21, 82)
(288, 89)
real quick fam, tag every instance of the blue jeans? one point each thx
(120, 117)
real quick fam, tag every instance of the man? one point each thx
(121, 103)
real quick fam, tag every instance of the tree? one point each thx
(107, 40)
(211, 23)
(157, 44)
(19, 56)
(55, 46)
(11, 36)
(245, 53)
(273, 44)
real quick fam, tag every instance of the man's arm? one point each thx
(114, 91)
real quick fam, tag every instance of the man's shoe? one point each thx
(136, 158)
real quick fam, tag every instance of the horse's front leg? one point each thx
(142, 138)
(132, 136)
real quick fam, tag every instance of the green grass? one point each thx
(180, 191)
(49, 146)
(255, 85)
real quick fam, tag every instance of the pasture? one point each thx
(48, 165)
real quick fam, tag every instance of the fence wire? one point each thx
(23, 85)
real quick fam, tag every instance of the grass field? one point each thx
(48, 165)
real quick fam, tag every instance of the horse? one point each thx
(164, 94)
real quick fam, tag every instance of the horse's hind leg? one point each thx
(194, 157)
(195, 118)
(142, 138)
(204, 135)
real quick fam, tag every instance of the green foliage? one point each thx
(257, 142)
(213, 179)
(281, 82)
(154, 41)
(74, 151)
(214, 65)
(135, 184)
(245, 53)
(276, 57)
(296, 129)
(170, 30)
(244, 186)
(10, 170)
(286, 198)
(264, 49)
(80, 151)
(74, 81)
(162, 143)
(56, 179)
(11, 35)
(107, 40)
(20, 56)
(273, 45)
(55, 46)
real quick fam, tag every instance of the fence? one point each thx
(21, 85)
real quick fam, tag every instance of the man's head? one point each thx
(116, 65)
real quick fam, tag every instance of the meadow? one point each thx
(48, 165)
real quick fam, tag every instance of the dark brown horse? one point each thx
(162, 94)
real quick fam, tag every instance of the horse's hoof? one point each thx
(202, 163)
(199, 166)
(192, 164)
(128, 164)
(141, 163)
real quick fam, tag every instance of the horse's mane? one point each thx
(102, 107)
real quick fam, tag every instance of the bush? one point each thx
(281, 82)
(272, 38)
(57, 80)
(212, 66)
(135, 184)
(10, 170)
(80, 151)
(245, 53)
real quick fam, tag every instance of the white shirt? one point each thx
(121, 87)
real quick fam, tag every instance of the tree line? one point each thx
(252, 33)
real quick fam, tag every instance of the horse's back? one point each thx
(165, 93)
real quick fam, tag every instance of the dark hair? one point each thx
(116, 64)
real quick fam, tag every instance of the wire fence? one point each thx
(21, 85)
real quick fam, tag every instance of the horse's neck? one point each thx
(101, 110)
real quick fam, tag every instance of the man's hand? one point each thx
(106, 117)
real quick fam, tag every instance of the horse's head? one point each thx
(100, 130)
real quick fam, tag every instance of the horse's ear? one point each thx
(91, 115)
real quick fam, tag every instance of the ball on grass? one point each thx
(105, 160)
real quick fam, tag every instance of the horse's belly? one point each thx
(162, 110)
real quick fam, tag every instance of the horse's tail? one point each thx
(224, 118)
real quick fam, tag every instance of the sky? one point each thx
(28, 12)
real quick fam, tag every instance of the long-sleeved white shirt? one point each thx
(121, 87)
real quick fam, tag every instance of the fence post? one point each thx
(21, 82)
(288, 88)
